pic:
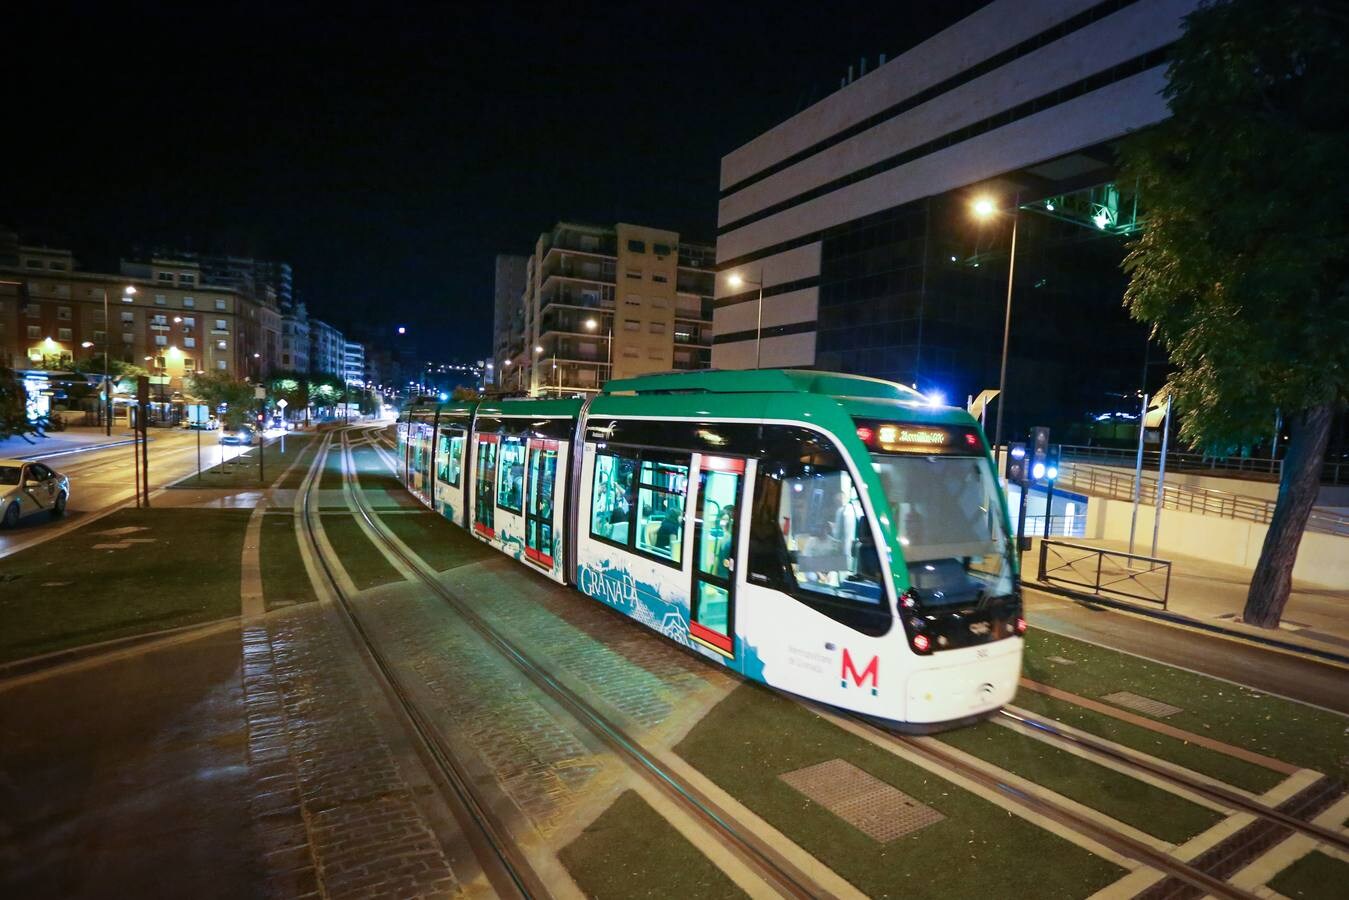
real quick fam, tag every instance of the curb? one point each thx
(89, 449)
(1177, 619)
(33, 664)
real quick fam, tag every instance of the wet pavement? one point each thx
(130, 778)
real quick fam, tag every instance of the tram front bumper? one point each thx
(964, 683)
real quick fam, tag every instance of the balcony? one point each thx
(567, 293)
(582, 241)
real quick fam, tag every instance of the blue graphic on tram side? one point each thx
(751, 664)
(643, 602)
(511, 544)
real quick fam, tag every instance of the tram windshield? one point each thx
(950, 525)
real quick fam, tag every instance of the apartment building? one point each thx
(294, 338)
(327, 349)
(604, 302)
(353, 362)
(158, 316)
(508, 322)
(855, 214)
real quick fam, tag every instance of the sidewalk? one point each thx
(72, 439)
(1215, 594)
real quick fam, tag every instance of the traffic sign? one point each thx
(282, 403)
(260, 393)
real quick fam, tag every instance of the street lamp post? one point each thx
(127, 293)
(736, 280)
(984, 208)
(593, 325)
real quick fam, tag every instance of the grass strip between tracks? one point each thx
(1284, 729)
(1315, 875)
(1236, 772)
(285, 581)
(632, 851)
(366, 566)
(754, 736)
(131, 572)
(1126, 799)
(440, 543)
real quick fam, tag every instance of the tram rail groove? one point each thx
(1213, 792)
(1123, 844)
(505, 867)
(758, 855)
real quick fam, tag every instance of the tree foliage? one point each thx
(1242, 269)
(219, 388)
(14, 420)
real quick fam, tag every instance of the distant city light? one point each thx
(402, 329)
(444, 396)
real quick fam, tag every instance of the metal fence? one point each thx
(1107, 481)
(1106, 572)
(1332, 472)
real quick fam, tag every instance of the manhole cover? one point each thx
(873, 807)
(1142, 704)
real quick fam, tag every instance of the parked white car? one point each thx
(30, 487)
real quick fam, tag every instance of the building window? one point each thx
(660, 249)
(219, 304)
(128, 337)
(56, 266)
(34, 332)
(660, 303)
(94, 292)
(159, 363)
(189, 302)
(285, 359)
(683, 336)
(128, 316)
(630, 353)
(659, 279)
(33, 310)
(657, 327)
(189, 321)
(64, 334)
(220, 364)
(161, 340)
(189, 342)
(161, 300)
(100, 336)
(33, 263)
(632, 300)
(635, 274)
(63, 313)
(221, 325)
(655, 353)
(159, 319)
(220, 345)
(189, 364)
(635, 246)
(61, 290)
(166, 277)
(187, 278)
(632, 325)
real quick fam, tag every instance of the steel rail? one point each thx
(504, 865)
(1216, 793)
(1081, 824)
(769, 863)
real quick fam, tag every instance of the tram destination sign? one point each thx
(918, 437)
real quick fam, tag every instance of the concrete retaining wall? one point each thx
(1322, 560)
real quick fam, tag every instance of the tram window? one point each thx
(449, 459)
(808, 522)
(511, 487)
(542, 471)
(613, 496)
(660, 509)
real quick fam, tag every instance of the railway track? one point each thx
(504, 865)
(1215, 792)
(777, 871)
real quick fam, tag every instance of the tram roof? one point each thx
(764, 381)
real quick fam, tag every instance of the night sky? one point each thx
(389, 153)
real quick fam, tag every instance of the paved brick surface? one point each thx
(337, 817)
(477, 697)
(632, 670)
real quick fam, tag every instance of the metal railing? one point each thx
(1107, 481)
(1332, 471)
(1106, 572)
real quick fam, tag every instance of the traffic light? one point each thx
(1016, 463)
(1052, 462)
(1039, 452)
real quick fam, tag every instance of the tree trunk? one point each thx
(1309, 432)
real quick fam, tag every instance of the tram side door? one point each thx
(712, 599)
(542, 470)
(485, 485)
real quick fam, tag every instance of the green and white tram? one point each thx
(830, 535)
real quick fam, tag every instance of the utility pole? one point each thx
(143, 397)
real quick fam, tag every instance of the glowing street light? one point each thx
(735, 281)
(984, 208)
